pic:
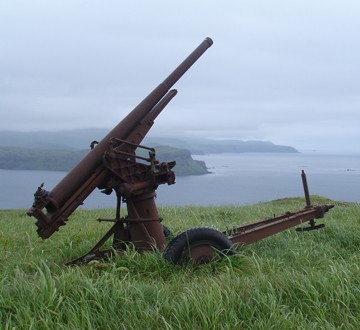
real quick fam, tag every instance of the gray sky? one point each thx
(282, 71)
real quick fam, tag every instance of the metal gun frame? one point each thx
(113, 166)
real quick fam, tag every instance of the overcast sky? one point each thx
(281, 71)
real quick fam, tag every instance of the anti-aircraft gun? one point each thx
(114, 166)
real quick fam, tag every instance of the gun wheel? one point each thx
(198, 246)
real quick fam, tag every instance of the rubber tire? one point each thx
(174, 252)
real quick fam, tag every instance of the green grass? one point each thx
(291, 280)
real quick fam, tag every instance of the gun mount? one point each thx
(114, 166)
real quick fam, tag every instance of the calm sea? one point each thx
(235, 179)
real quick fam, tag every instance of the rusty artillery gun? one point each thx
(114, 166)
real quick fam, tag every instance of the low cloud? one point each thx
(285, 72)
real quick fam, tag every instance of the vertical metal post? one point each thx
(306, 189)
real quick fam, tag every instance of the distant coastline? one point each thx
(243, 178)
(16, 158)
(61, 151)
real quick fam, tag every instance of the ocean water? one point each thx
(249, 178)
(235, 179)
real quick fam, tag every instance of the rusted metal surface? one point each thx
(306, 188)
(113, 166)
(53, 208)
(258, 230)
(210, 244)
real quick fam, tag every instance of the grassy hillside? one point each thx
(291, 280)
(185, 164)
(13, 158)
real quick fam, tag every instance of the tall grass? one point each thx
(291, 280)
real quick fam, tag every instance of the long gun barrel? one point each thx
(91, 172)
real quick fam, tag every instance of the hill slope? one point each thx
(288, 281)
(81, 138)
(17, 158)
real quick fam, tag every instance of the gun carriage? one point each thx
(114, 166)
